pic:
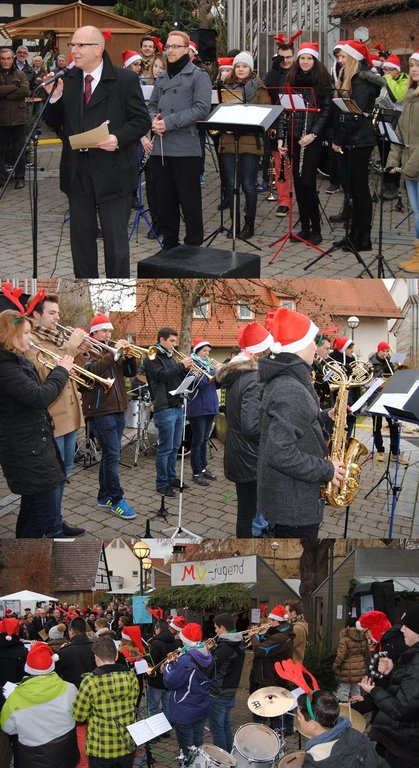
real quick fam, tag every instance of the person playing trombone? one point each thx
(29, 456)
(106, 414)
(164, 374)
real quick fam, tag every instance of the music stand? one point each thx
(399, 400)
(179, 531)
(141, 210)
(294, 100)
(351, 108)
(386, 123)
(240, 119)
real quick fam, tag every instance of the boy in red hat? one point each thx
(292, 466)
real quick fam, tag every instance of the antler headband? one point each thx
(294, 672)
(14, 294)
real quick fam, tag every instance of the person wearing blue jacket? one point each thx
(203, 405)
(188, 679)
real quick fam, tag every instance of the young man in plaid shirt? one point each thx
(107, 700)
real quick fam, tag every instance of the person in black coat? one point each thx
(241, 380)
(308, 129)
(163, 642)
(77, 657)
(396, 725)
(104, 177)
(354, 136)
(228, 655)
(12, 652)
(29, 455)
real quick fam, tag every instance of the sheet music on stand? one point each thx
(386, 126)
(298, 99)
(346, 104)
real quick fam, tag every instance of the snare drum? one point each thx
(210, 756)
(293, 760)
(132, 414)
(255, 743)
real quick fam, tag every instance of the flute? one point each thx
(302, 149)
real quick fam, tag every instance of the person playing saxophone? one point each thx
(293, 463)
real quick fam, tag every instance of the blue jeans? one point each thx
(67, 448)
(108, 429)
(247, 179)
(155, 697)
(169, 423)
(219, 721)
(412, 186)
(190, 735)
(201, 429)
(37, 515)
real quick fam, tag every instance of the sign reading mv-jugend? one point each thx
(238, 570)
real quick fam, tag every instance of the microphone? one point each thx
(54, 78)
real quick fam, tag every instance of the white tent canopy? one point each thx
(27, 596)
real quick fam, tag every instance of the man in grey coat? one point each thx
(292, 463)
(181, 97)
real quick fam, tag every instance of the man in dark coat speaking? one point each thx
(95, 92)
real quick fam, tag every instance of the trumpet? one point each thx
(98, 346)
(132, 350)
(84, 378)
(173, 655)
(195, 367)
(260, 630)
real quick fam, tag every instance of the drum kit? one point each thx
(257, 746)
(139, 418)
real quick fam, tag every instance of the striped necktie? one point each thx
(87, 89)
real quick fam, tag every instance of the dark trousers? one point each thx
(305, 185)
(37, 515)
(179, 188)
(151, 191)
(357, 163)
(377, 424)
(113, 216)
(14, 135)
(201, 429)
(296, 532)
(126, 761)
(246, 508)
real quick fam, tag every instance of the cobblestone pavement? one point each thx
(211, 512)
(54, 258)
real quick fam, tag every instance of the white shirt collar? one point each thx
(96, 74)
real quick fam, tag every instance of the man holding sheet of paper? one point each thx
(95, 94)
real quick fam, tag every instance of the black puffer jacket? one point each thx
(12, 659)
(165, 642)
(358, 130)
(397, 721)
(28, 454)
(164, 374)
(275, 646)
(241, 380)
(229, 658)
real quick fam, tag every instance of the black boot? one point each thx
(362, 239)
(248, 230)
(344, 215)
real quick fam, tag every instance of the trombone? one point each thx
(195, 367)
(84, 378)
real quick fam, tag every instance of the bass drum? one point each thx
(210, 756)
(257, 745)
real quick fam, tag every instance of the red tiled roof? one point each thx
(321, 299)
(354, 8)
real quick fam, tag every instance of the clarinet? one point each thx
(146, 156)
(281, 176)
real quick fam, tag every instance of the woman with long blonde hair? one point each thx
(354, 136)
(407, 157)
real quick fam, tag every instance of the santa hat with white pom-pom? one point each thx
(292, 331)
(10, 627)
(40, 659)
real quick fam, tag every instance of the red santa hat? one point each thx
(342, 343)
(292, 331)
(158, 43)
(375, 60)
(310, 48)
(10, 627)
(414, 56)
(393, 62)
(253, 337)
(100, 323)
(338, 45)
(40, 659)
(383, 345)
(199, 343)
(377, 623)
(225, 62)
(193, 47)
(279, 613)
(133, 633)
(191, 634)
(129, 57)
(357, 50)
(177, 623)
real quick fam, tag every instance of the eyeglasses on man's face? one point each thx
(80, 45)
(174, 47)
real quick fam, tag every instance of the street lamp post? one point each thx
(141, 551)
(274, 547)
(353, 323)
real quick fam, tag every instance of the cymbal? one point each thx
(357, 720)
(270, 702)
(293, 760)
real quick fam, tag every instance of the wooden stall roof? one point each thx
(65, 19)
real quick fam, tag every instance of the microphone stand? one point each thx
(33, 135)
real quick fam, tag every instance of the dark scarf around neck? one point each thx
(173, 68)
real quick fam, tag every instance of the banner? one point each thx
(230, 570)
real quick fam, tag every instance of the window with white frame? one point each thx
(287, 304)
(201, 310)
(244, 310)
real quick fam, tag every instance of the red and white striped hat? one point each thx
(100, 323)
(129, 57)
(392, 62)
(40, 659)
(310, 48)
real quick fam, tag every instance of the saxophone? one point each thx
(349, 454)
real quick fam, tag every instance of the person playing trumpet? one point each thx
(163, 643)
(66, 411)
(106, 414)
(164, 374)
(29, 456)
(202, 407)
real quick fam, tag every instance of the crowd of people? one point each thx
(103, 179)
(74, 687)
(281, 449)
